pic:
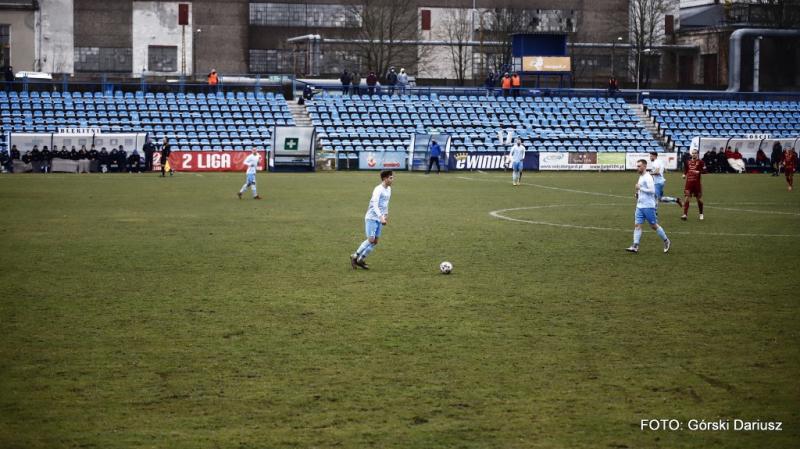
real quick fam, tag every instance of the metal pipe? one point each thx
(497, 44)
(756, 63)
(735, 52)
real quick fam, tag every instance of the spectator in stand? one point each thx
(148, 149)
(27, 158)
(9, 79)
(113, 161)
(489, 83)
(613, 86)
(73, 154)
(707, 156)
(345, 80)
(36, 159)
(64, 153)
(94, 165)
(776, 157)
(14, 152)
(402, 81)
(213, 80)
(84, 164)
(355, 81)
(5, 161)
(103, 158)
(134, 162)
(391, 80)
(372, 80)
(308, 92)
(506, 85)
(739, 158)
(762, 161)
(122, 160)
(516, 84)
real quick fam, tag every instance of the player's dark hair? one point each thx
(386, 173)
(653, 153)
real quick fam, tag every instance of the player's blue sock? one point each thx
(244, 187)
(367, 250)
(668, 199)
(254, 190)
(661, 233)
(363, 246)
(637, 234)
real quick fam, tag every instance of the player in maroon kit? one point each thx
(789, 163)
(692, 170)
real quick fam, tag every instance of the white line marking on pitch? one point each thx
(498, 214)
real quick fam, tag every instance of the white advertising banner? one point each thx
(670, 160)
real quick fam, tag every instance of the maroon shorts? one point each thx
(694, 188)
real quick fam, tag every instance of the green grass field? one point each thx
(146, 312)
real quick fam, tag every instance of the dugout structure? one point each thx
(748, 146)
(419, 151)
(293, 149)
(542, 55)
(77, 137)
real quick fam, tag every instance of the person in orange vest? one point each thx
(516, 83)
(613, 87)
(212, 78)
(506, 85)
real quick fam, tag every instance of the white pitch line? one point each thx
(498, 214)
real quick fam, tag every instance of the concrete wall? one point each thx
(223, 42)
(22, 40)
(55, 37)
(102, 23)
(156, 23)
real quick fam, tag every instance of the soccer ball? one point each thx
(446, 267)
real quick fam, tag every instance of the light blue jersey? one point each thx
(379, 203)
(658, 178)
(517, 154)
(647, 198)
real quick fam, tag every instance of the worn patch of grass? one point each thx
(140, 311)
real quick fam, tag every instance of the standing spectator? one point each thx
(646, 208)
(506, 85)
(345, 79)
(402, 81)
(148, 150)
(47, 156)
(83, 160)
(776, 156)
(692, 171)
(762, 161)
(122, 159)
(391, 80)
(251, 163)
(613, 86)
(789, 163)
(372, 80)
(516, 84)
(355, 80)
(94, 164)
(213, 80)
(166, 149)
(9, 79)
(436, 150)
(489, 83)
(37, 159)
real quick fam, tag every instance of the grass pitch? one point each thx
(146, 312)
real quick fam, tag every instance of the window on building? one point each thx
(426, 20)
(103, 59)
(162, 58)
(303, 15)
(5, 46)
(277, 61)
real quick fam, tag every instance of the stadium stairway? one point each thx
(300, 114)
(651, 127)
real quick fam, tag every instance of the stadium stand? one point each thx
(199, 122)
(681, 120)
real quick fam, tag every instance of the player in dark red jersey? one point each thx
(789, 163)
(692, 170)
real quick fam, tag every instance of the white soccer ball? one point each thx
(446, 267)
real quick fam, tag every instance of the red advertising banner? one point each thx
(207, 160)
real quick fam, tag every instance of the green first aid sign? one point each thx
(291, 143)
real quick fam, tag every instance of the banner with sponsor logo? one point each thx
(546, 64)
(582, 161)
(384, 160)
(207, 160)
(490, 160)
(670, 160)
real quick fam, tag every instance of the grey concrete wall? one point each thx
(22, 40)
(103, 23)
(55, 51)
(223, 42)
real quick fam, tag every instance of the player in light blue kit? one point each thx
(375, 219)
(646, 208)
(657, 170)
(516, 156)
(251, 162)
